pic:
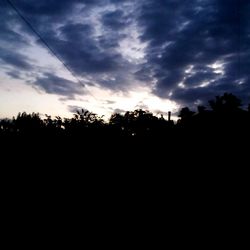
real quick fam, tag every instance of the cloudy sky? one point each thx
(124, 54)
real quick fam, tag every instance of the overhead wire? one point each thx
(53, 53)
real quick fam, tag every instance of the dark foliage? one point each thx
(223, 115)
(206, 147)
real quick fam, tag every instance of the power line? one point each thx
(44, 41)
(239, 38)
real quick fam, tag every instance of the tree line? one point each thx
(223, 114)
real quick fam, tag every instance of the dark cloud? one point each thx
(119, 111)
(108, 102)
(201, 95)
(76, 31)
(14, 74)
(73, 108)
(114, 20)
(51, 7)
(7, 34)
(200, 75)
(57, 85)
(84, 56)
(196, 33)
(191, 96)
(195, 49)
(8, 29)
(15, 59)
(76, 43)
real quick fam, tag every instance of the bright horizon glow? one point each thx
(25, 98)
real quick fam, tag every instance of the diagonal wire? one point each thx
(44, 41)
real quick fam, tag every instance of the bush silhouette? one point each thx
(223, 114)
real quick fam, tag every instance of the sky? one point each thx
(158, 55)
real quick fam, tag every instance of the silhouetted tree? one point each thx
(225, 117)
(201, 109)
(186, 113)
(28, 122)
(225, 103)
(185, 117)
